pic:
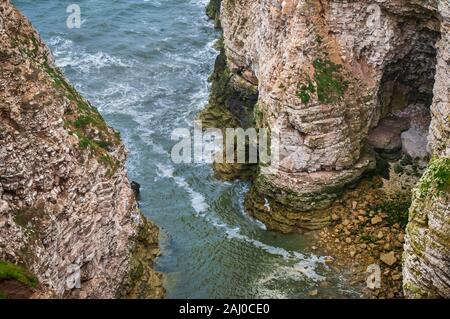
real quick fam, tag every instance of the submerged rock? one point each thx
(136, 187)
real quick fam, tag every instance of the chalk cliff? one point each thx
(349, 86)
(68, 215)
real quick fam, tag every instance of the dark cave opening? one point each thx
(402, 118)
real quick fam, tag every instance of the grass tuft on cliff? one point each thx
(328, 83)
(330, 88)
(437, 176)
(10, 271)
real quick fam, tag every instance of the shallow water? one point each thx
(145, 64)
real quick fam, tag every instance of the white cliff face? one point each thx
(426, 269)
(276, 44)
(327, 73)
(337, 78)
(67, 211)
(426, 265)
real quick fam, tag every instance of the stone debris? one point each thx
(388, 258)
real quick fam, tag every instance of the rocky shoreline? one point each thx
(353, 147)
(367, 230)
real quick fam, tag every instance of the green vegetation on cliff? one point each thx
(328, 83)
(10, 271)
(305, 91)
(142, 281)
(231, 105)
(213, 11)
(437, 176)
(81, 118)
(397, 212)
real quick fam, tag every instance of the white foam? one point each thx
(304, 265)
(67, 54)
(297, 273)
(198, 202)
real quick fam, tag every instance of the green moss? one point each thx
(110, 162)
(330, 86)
(24, 217)
(406, 160)
(257, 115)
(368, 239)
(319, 40)
(231, 104)
(305, 90)
(4, 56)
(27, 44)
(21, 219)
(227, 106)
(142, 281)
(415, 292)
(10, 271)
(219, 44)
(328, 83)
(398, 169)
(82, 121)
(3, 295)
(85, 142)
(436, 177)
(213, 11)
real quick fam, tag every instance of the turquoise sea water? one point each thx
(145, 64)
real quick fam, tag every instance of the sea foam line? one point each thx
(305, 265)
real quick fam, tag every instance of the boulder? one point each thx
(386, 136)
(414, 143)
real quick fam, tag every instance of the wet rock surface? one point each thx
(365, 237)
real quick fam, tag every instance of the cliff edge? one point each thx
(69, 220)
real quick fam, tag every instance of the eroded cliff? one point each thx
(67, 212)
(354, 88)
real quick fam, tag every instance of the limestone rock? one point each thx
(426, 268)
(72, 217)
(414, 143)
(386, 136)
(389, 258)
(382, 57)
(370, 57)
(376, 220)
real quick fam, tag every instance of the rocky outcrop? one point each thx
(331, 76)
(426, 269)
(347, 84)
(426, 258)
(67, 212)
